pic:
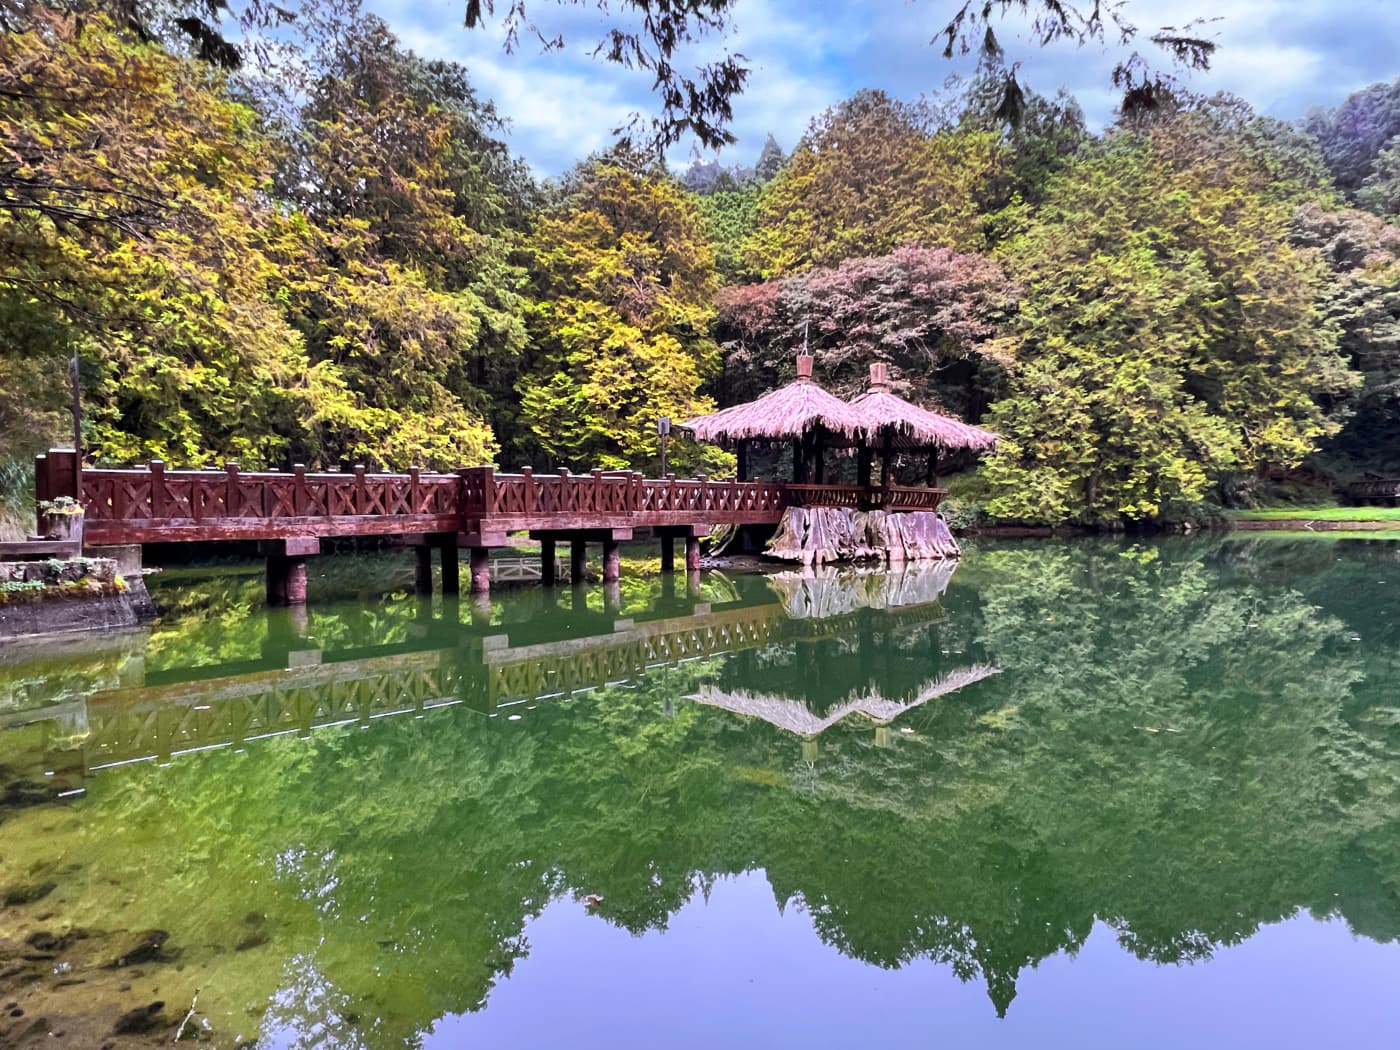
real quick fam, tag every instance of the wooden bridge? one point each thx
(289, 513)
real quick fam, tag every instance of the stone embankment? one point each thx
(56, 596)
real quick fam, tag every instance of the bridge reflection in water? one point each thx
(803, 653)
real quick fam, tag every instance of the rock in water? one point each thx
(143, 947)
(143, 1019)
(17, 895)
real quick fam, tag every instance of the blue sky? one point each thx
(1283, 56)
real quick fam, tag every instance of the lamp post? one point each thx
(663, 430)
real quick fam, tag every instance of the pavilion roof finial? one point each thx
(879, 375)
(804, 359)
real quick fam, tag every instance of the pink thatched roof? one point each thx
(788, 412)
(912, 426)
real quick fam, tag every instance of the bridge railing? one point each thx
(613, 493)
(152, 503)
(202, 495)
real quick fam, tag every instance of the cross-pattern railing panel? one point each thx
(153, 496)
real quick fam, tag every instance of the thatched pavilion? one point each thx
(801, 412)
(891, 423)
(824, 523)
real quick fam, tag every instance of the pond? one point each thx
(1099, 793)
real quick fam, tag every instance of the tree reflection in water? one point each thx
(1184, 741)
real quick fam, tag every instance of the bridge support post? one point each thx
(481, 570)
(451, 572)
(612, 561)
(578, 561)
(547, 561)
(286, 580)
(423, 571)
(286, 568)
(692, 554)
(668, 552)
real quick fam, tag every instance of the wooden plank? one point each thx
(40, 549)
(114, 533)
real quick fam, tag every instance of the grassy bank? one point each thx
(1318, 514)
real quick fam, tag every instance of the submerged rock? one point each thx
(143, 947)
(28, 894)
(252, 939)
(143, 1019)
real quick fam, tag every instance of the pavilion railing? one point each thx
(861, 497)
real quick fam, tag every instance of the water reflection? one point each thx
(1184, 742)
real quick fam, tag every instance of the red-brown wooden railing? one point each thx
(152, 504)
(856, 496)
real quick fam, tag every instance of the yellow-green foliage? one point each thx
(625, 283)
(872, 175)
(1170, 333)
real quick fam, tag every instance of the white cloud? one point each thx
(1280, 55)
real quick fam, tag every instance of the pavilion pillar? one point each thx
(451, 569)
(668, 553)
(481, 570)
(886, 461)
(742, 449)
(933, 467)
(547, 561)
(692, 554)
(578, 561)
(612, 561)
(423, 570)
(799, 464)
(865, 461)
(818, 457)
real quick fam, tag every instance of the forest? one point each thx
(332, 257)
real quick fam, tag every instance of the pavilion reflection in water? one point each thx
(801, 650)
(863, 645)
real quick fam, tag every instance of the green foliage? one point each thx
(1170, 333)
(728, 217)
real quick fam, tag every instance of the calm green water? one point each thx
(1079, 794)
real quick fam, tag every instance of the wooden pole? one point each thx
(578, 562)
(865, 460)
(933, 467)
(612, 561)
(886, 459)
(75, 385)
(547, 561)
(481, 570)
(742, 448)
(423, 570)
(692, 554)
(451, 570)
(668, 553)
